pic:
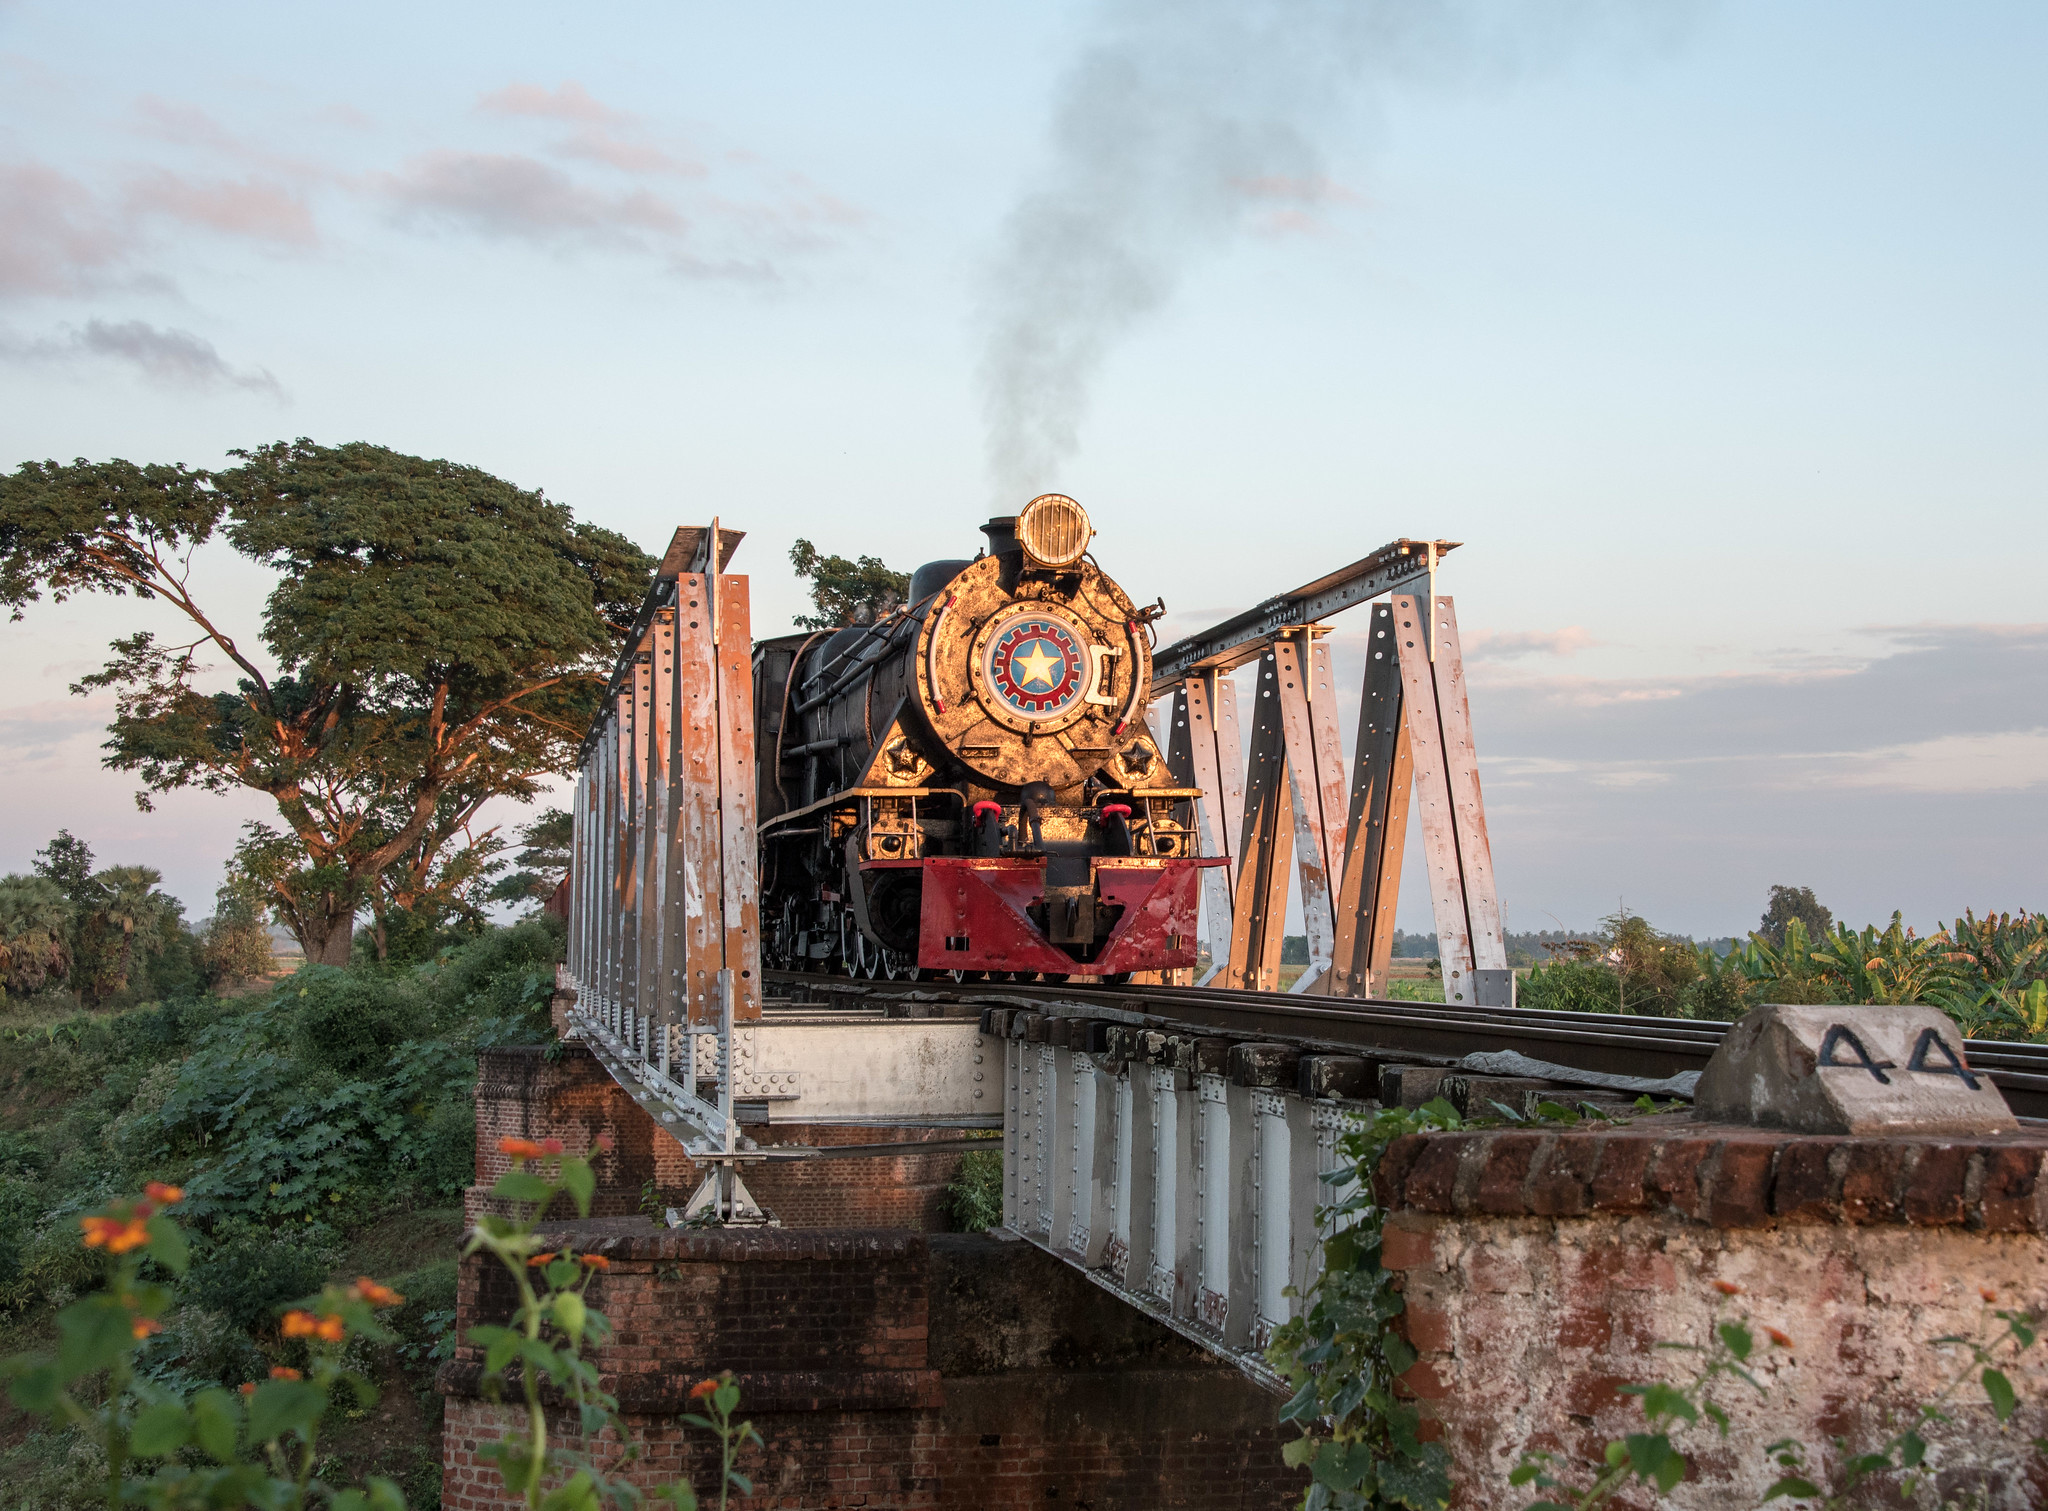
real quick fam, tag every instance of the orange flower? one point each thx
(1778, 1338)
(300, 1324)
(366, 1289)
(1728, 1288)
(144, 1326)
(282, 1372)
(330, 1329)
(595, 1261)
(702, 1389)
(165, 1195)
(520, 1148)
(551, 1146)
(117, 1235)
(247, 1387)
(1987, 1293)
(540, 1259)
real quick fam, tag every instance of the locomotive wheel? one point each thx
(863, 960)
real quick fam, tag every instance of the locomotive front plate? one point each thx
(1036, 664)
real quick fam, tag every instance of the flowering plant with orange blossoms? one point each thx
(546, 1336)
(210, 1447)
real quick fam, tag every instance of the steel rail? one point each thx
(1421, 1032)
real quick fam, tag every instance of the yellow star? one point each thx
(1036, 667)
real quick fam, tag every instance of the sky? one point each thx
(1716, 333)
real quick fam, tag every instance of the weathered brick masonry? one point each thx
(525, 1094)
(893, 1369)
(1542, 1268)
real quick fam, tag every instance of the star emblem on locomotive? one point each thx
(1036, 665)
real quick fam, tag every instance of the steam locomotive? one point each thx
(968, 784)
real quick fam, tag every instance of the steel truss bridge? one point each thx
(1168, 1139)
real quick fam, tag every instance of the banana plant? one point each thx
(1891, 966)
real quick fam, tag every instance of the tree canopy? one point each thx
(1788, 903)
(846, 591)
(439, 637)
(544, 861)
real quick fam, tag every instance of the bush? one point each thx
(1572, 986)
(426, 1323)
(974, 1201)
(202, 1346)
(249, 1276)
(351, 1021)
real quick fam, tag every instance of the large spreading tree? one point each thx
(436, 637)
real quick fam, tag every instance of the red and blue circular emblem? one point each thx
(1037, 666)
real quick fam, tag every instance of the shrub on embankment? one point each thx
(324, 1126)
(1990, 974)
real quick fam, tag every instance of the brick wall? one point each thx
(1542, 1269)
(888, 1369)
(522, 1093)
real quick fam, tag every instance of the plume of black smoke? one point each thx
(1180, 121)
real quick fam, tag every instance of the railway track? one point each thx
(1419, 1032)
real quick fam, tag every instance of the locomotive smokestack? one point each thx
(1002, 536)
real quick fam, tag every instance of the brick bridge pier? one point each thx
(886, 1363)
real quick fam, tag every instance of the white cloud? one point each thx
(2010, 761)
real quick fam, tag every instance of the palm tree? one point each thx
(35, 922)
(131, 903)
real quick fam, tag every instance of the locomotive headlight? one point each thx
(1053, 530)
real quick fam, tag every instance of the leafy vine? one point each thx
(1360, 1441)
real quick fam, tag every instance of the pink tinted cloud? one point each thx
(508, 195)
(253, 208)
(185, 124)
(55, 237)
(599, 146)
(569, 102)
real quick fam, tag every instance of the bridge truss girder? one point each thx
(1287, 805)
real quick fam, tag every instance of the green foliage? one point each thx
(1345, 1352)
(169, 1446)
(542, 863)
(1989, 974)
(290, 1117)
(1652, 1458)
(35, 934)
(235, 943)
(1786, 905)
(545, 1337)
(1571, 986)
(425, 1325)
(105, 935)
(251, 1272)
(441, 638)
(846, 592)
(974, 1201)
(1628, 968)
